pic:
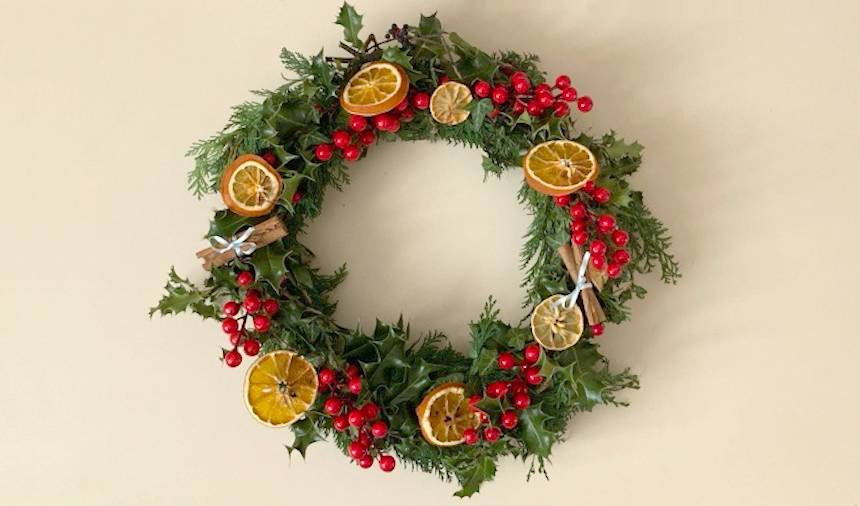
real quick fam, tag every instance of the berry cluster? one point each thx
(513, 393)
(236, 316)
(362, 422)
(519, 96)
(359, 132)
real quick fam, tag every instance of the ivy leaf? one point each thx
(417, 381)
(306, 434)
(350, 20)
(537, 438)
(472, 478)
(398, 56)
(479, 110)
(269, 264)
(182, 295)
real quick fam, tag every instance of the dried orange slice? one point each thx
(559, 167)
(448, 103)
(375, 89)
(445, 414)
(279, 387)
(250, 186)
(554, 326)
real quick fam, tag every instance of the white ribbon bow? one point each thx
(569, 300)
(237, 244)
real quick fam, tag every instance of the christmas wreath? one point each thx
(382, 394)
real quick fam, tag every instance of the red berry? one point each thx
(367, 137)
(357, 450)
(333, 406)
(560, 109)
(231, 308)
(578, 211)
(497, 389)
(355, 418)
(492, 434)
(386, 463)
(421, 100)
(236, 338)
(605, 223)
(621, 256)
(597, 247)
(370, 411)
(323, 152)
(232, 358)
(395, 126)
(542, 88)
(598, 261)
(270, 158)
(270, 306)
(500, 94)
(534, 108)
(568, 94)
(403, 105)
(521, 86)
(518, 107)
(379, 429)
(252, 303)
(356, 123)
(365, 461)
(531, 353)
(470, 436)
(519, 76)
(383, 121)
(351, 152)
(352, 371)
(339, 423)
(522, 400)
(407, 115)
(251, 347)
(584, 103)
(229, 325)
(482, 89)
(613, 270)
(589, 186)
(518, 386)
(509, 419)
(474, 399)
(562, 200)
(505, 361)
(545, 99)
(578, 226)
(252, 293)
(327, 376)
(340, 138)
(444, 79)
(620, 237)
(579, 238)
(262, 323)
(296, 198)
(597, 329)
(533, 376)
(354, 385)
(562, 82)
(245, 278)
(601, 195)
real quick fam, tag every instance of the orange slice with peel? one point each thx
(559, 167)
(279, 387)
(448, 103)
(377, 88)
(554, 326)
(250, 186)
(444, 414)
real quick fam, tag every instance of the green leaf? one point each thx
(291, 184)
(472, 478)
(396, 55)
(617, 148)
(537, 438)
(485, 363)
(306, 434)
(350, 20)
(225, 223)
(479, 110)
(322, 73)
(417, 382)
(430, 26)
(182, 295)
(389, 345)
(269, 264)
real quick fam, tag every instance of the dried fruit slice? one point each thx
(554, 326)
(279, 387)
(377, 88)
(250, 186)
(559, 167)
(448, 103)
(445, 414)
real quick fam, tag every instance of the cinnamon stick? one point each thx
(571, 256)
(265, 233)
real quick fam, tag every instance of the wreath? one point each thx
(383, 394)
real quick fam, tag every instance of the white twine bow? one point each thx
(569, 300)
(237, 243)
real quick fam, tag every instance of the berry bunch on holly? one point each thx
(361, 421)
(518, 95)
(247, 320)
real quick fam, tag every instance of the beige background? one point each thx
(749, 366)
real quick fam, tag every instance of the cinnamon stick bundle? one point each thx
(572, 255)
(265, 233)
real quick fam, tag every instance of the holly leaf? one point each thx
(269, 264)
(322, 73)
(350, 20)
(485, 363)
(472, 478)
(417, 381)
(398, 56)
(225, 223)
(617, 148)
(389, 345)
(306, 434)
(182, 295)
(537, 438)
(479, 110)
(430, 26)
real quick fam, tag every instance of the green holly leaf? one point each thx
(291, 184)
(478, 111)
(350, 20)
(472, 478)
(617, 148)
(485, 363)
(398, 56)
(430, 26)
(537, 438)
(225, 223)
(269, 264)
(323, 73)
(417, 381)
(391, 357)
(306, 434)
(182, 295)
